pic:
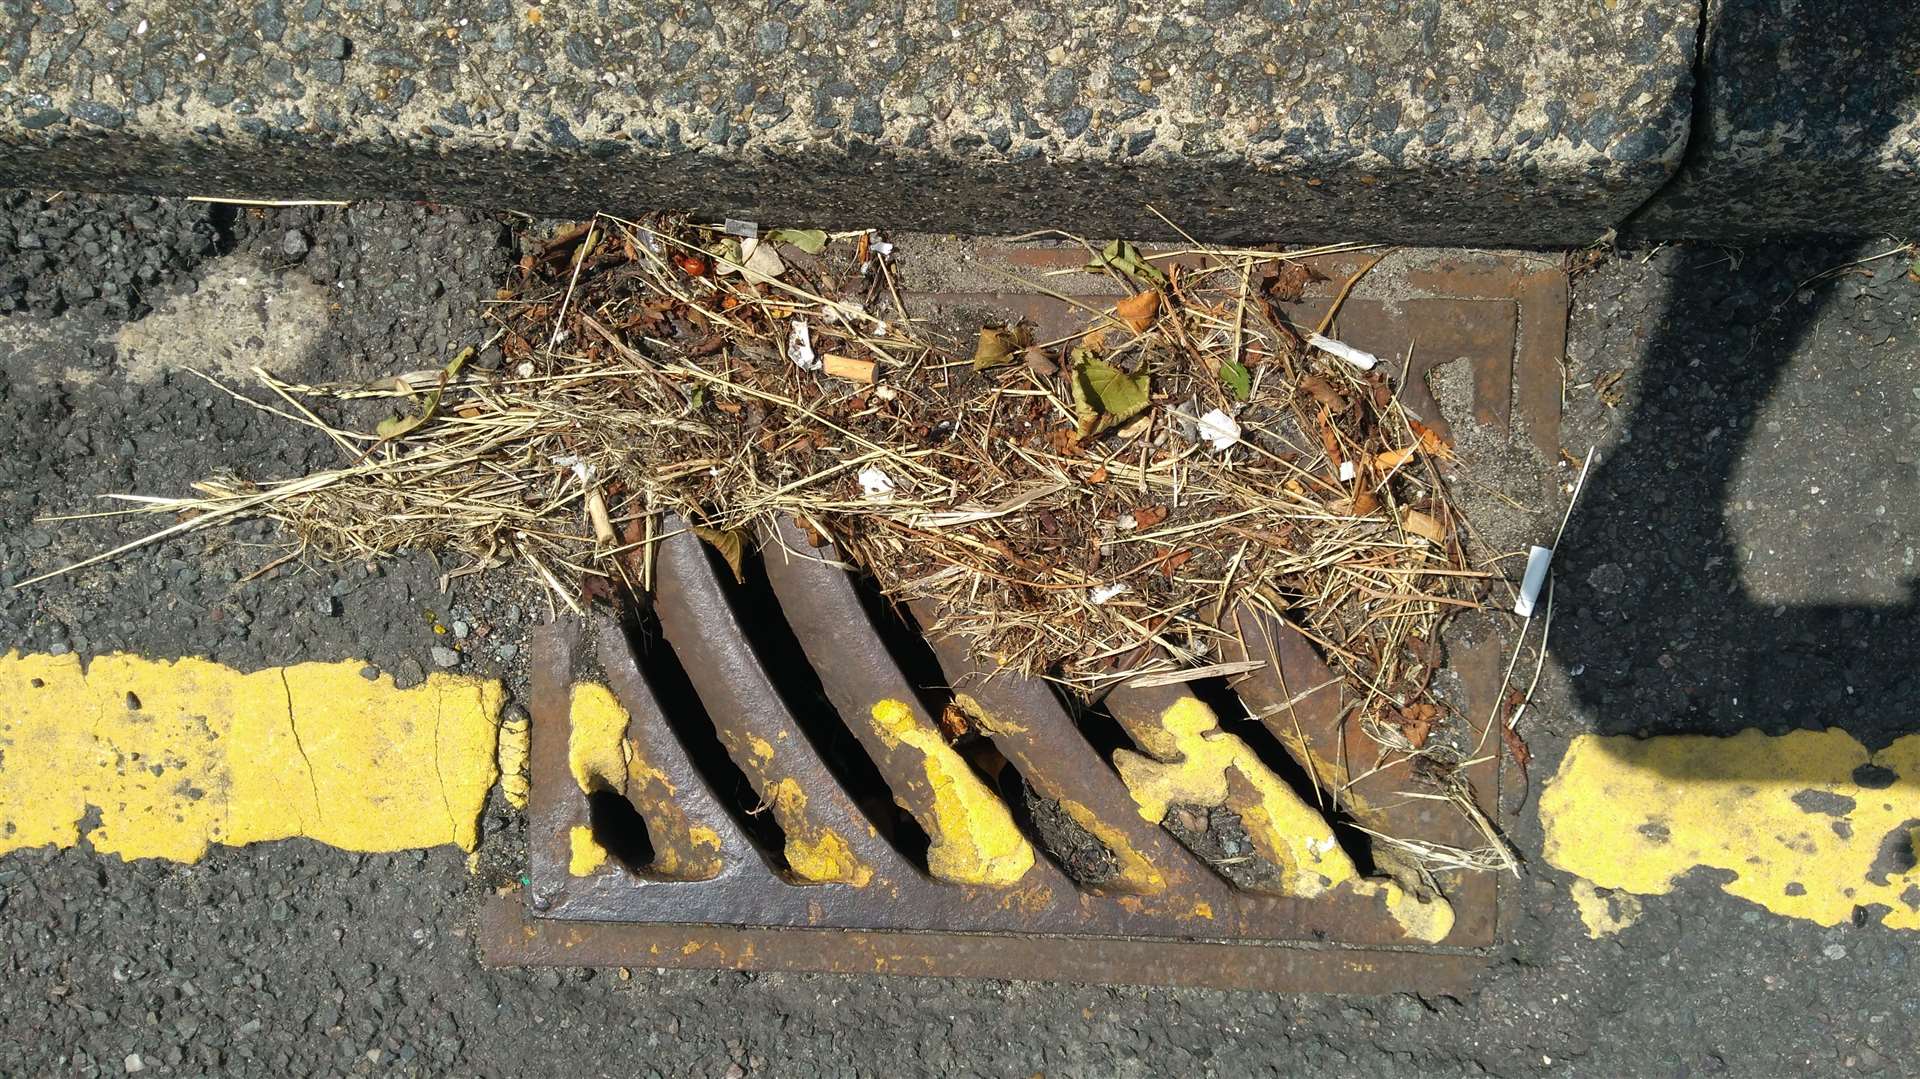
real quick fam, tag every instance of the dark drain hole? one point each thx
(1235, 719)
(758, 613)
(907, 644)
(619, 829)
(681, 707)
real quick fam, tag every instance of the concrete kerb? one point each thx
(1540, 122)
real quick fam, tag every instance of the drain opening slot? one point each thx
(687, 716)
(619, 829)
(764, 623)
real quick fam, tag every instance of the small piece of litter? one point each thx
(800, 347)
(1347, 472)
(876, 484)
(1538, 560)
(849, 368)
(881, 248)
(1363, 360)
(1106, 592)
(1219, 430)
(746, 230)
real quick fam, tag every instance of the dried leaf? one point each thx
(1388, 460)
(1290, 281)
(1423, 526)
(1431, 442)
(396, 426)
(1239, 381)
(1099, 475)
(1104, 395)
(812, 241)
(732, 546)
(1138, 310)
(1323, 392)
(1148, 516)
(1172, 563)
(954, 722)
(1039, 363)
(998, 345)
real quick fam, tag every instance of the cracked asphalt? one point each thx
(1742, 557)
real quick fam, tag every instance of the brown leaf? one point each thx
(1148, 516)
(1431, 442)
(1323, 392)
(731, 545)
(1099, 475)
(1416, 722)
(1290, 281)
(1138, 310)
(1388, 460)
(954, 722)
(1521, 754)
(1172, 563)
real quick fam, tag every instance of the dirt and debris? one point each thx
(1087, 508)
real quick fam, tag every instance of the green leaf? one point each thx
(812, 241)
(1237, 378)
(396, 426)
(731, 545)
(1104, 395)
(1124, 257)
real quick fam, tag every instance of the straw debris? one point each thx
(1087, 508)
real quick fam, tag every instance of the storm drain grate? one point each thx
(782, 775)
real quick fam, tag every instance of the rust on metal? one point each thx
(509, 937)
(761, 850)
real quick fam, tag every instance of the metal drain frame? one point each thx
(749, 918)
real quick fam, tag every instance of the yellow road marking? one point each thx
(175, 756)
(1810, 823)
(1204, 765)
(973, 839)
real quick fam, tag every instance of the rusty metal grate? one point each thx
(760, 780)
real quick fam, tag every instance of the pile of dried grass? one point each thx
(1085, 508)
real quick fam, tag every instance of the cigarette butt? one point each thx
(1538, 560)
(849, 368)
(597, 512)
(1424, 526)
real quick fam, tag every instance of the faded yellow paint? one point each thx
(513, 757)
(597, 749)
(1429, 919)
(1199, 761)
(1604, 915)
(1810, 823)
(585, 855)
(972, 838)
(178, 755)
(761, 748)
(815, 854)
(1132, 871)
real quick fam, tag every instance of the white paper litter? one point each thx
(876, 484)
(1539, 559)
(1219, 430)
(800, 347)
(1363, 360)
(1347, 472)
(1106, 592)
